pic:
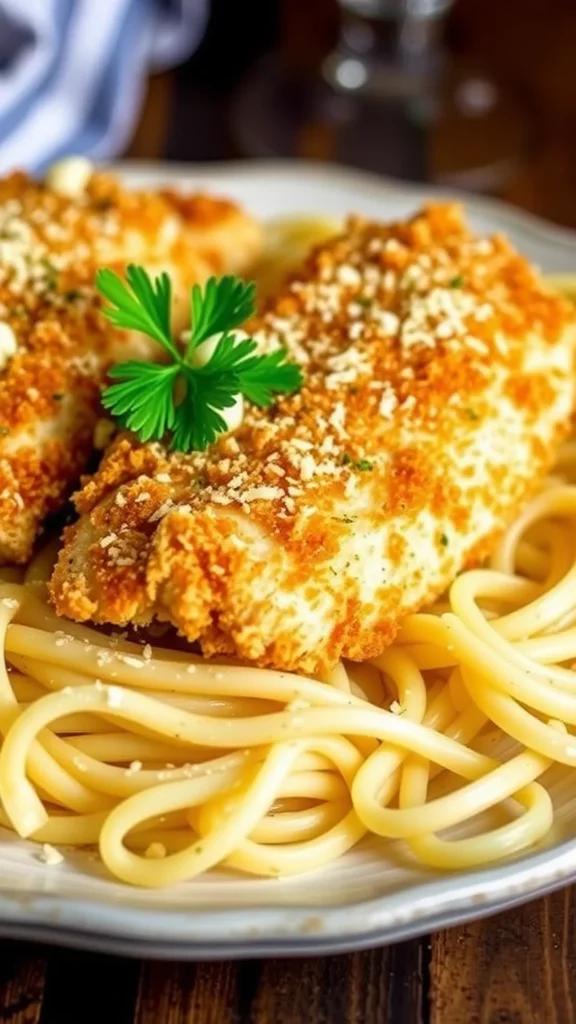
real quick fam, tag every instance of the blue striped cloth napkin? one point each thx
(73, 72)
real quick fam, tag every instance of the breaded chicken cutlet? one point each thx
(55, 345)
(438, 383)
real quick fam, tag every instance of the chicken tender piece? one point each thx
(439, 381)
(55, 345)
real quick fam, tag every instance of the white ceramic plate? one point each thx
(370, 896)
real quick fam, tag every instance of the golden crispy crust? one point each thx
(50, 248)
(438, 384)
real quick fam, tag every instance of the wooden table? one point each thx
(516, 968)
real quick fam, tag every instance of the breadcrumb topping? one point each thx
(438, 309)
(427, 352)
(50, 249)
(50, 855)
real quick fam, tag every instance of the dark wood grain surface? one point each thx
(516, 968)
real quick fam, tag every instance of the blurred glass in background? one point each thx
(476, 93)
(388, 97)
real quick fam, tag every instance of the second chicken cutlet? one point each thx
(438, 383)
(55, 345)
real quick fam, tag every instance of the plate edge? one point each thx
(349, 176)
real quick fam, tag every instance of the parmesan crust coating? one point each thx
(439, 381)
(50, 248)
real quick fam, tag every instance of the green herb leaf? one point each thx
(364, 465)
(180, 399)
(220, 306)
(457, 282)
(141, 305)
(51, 273)
(267, 376)
(197, 418)
(142, 400)
(231, 354)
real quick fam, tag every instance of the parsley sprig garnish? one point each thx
(178, 398)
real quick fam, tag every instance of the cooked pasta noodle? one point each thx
(563, 282)
(287, 240)
(173, 764)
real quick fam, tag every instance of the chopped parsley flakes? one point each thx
(363, 465)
